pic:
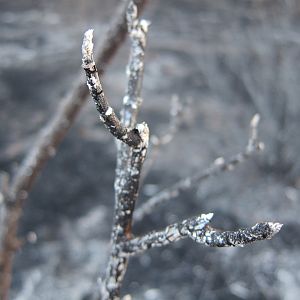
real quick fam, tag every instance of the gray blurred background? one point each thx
(231, 58)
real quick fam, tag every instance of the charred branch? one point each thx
(129, 159)
(107, 115)
(197, 229)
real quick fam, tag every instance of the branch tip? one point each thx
(143, 130)
(274, 227)
(255, 121)
(132, 11)
(131, 16)
(261, 146)
(145, 25)
(253, 142)
(87, 45)
(219, 161)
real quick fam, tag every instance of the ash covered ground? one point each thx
(231, 59)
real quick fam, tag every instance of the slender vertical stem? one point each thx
(129, 159)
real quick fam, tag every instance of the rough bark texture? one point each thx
(107, 114)
(45, 147)
(197, 229)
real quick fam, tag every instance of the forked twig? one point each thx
(46, 144)
(131, 153)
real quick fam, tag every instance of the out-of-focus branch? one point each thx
(48, 141)
(197, 229)
(4, 184)
(175, 113)
(129, 159)
(218, 166)
(116, 34)
(156, 142)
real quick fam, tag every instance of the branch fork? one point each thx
(131, 137)
(133, 140)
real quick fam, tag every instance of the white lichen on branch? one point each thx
(129, 159)
(107, 115)
(197, 229)
(241, 237)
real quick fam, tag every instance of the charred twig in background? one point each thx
(4, 184)
(197, 229)
(156, 142)
(131, 153)
(175, 112)
(218, 166)
(277, 109)
(47, 142)
(116, 35)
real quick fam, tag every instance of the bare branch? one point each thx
(129, 160)
(218, 166)
(48, 141)
(126, 189)
(135, 70)
(4, 185)
(197, 229)
(116, 34)
(107, 114)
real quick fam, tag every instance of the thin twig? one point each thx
(107, 115)
(176, 112)
(48, 141)
(197, 229)
(218, 166)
